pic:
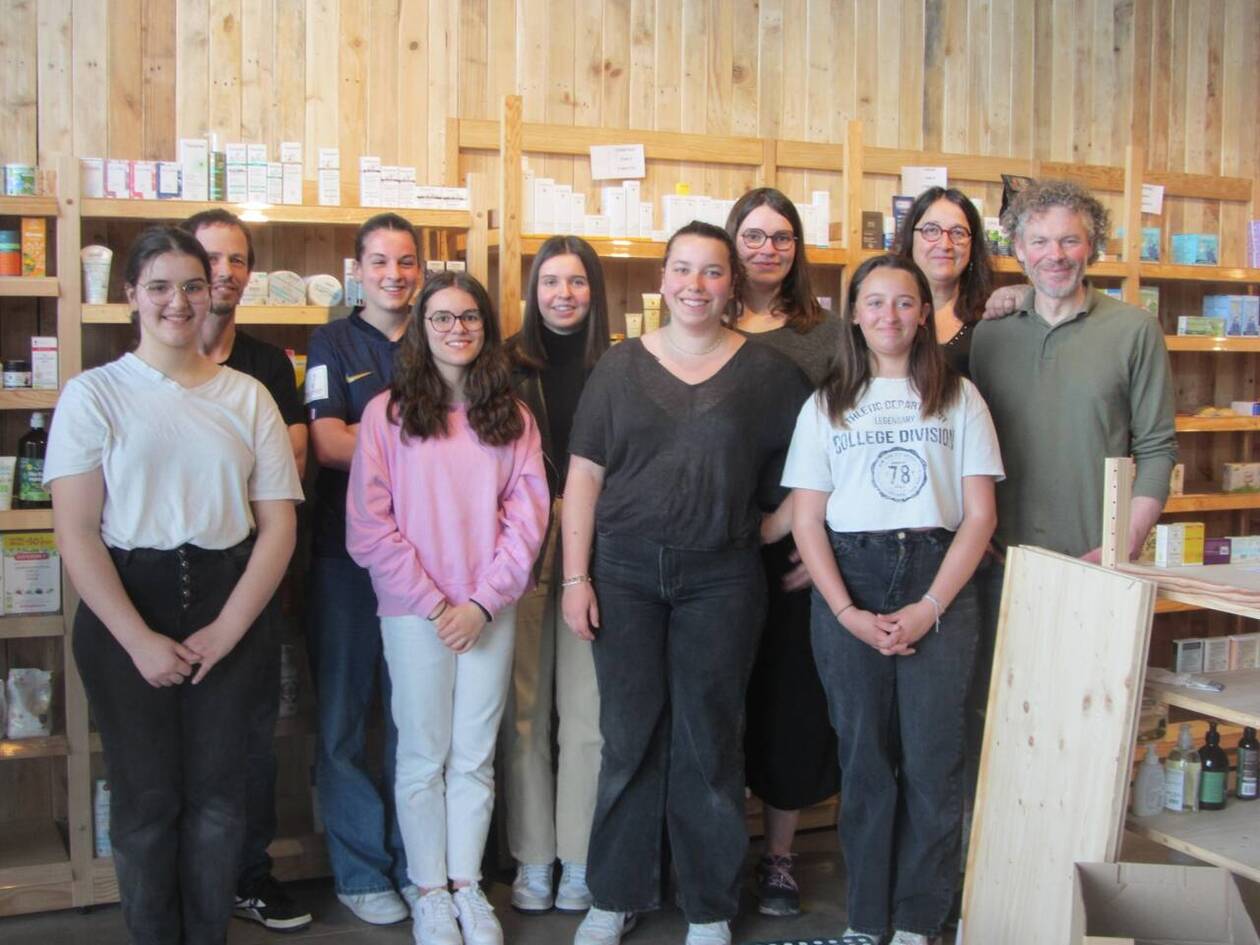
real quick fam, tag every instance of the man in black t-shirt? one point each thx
(259, 896)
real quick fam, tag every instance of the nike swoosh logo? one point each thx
(351, 378)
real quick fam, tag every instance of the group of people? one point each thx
(752, 547)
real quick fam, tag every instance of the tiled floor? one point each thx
(821, 876)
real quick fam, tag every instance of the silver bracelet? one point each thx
(842, 610)
(576, 580)
(939, 609)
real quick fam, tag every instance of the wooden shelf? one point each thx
(1187, 424)
(34, 855)
(29, 287)
(1111, 269)
(27, 399)
(1166, 271)
(108, 209)
(1229, 838)
(25, 520)
(120, 314)
(1165, 606)
(26, 626)
(1229, 588)
(638, 248)
(1212, 502)
(48, 746)
(28, 206)
(1238, 702)
(1200, 343)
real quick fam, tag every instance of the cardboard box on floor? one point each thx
(1149, 904)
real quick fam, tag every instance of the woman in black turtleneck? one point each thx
(563, 334)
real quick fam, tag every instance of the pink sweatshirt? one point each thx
(445, 517)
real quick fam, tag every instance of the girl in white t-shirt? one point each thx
(893, 463)
(173, 487)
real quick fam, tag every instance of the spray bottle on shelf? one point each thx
(1148, 791)
(1181, 774)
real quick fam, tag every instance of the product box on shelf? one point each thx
(44, 362)
(1216, 550)
(92, 177)
(1195, 249)
(1177, 480)
(34, 246)
(194, 168)
(1215, 654)
(1188, 655)
(1241, 313)
(118, 179)
(32, 573)
(1149, 295)
(255, 292)
(1180, 543)
(1240, 477)
(1197, 325)
(1245, 408)
(168, 180)
(1244, 548)
(144, 180)
(1244, 651)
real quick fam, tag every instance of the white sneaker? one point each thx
(601, 927)
(476, 917)
(531, 890)
(572, 895)
(375, 908)
(910, 938)
(434, 914)
(708, 933)
(850, 937)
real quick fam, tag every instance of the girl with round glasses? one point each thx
(944, 236)
(789, 743)
(446, 509)
(550, 801)
(173, 487)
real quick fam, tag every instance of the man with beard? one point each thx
(259, 896)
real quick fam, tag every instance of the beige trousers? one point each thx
(550, 806)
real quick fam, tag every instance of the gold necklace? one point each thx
(695, 354)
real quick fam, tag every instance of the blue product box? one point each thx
(1195, 249)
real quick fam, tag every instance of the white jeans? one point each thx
(447, 709)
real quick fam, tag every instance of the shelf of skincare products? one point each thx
(29, 287)
(108, 208)
(1211, 502)
(1194, 273)
(1208, 344)
(25, 626)
(28, 206)
(22, 520)
(120, 314)
(1228, 838)
(1232, 424)
(44, 746)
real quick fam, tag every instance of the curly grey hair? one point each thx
(1042, 195)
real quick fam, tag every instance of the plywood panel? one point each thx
(1057, 751)
(55, 111)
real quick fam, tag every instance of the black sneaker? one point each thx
(777, 892)
(270, 906)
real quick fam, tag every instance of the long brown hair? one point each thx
(527, 348)
(975, 283)
(936, 383)
(420, 398)
(795, 298)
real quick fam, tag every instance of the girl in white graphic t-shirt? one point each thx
(893, 463)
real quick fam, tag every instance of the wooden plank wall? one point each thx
(1055, 79)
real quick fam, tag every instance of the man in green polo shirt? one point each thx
(1071, 378)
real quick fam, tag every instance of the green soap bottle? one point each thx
(1213, 782)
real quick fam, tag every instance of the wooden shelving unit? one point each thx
(120, 314)
(1212, 345)
(1217, 424)
(29, 287)
(109, 209)
(1212, 502)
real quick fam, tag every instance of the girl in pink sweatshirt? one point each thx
(447, 508)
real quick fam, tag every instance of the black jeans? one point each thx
(174, 754)
(672, 656)
(260, 756)
(900, 722)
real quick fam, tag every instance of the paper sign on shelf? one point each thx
(617, 161)
(1153, 198)
(915, 180)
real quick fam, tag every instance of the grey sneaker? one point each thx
(572, 895)
(601, 927)
(851, 937)
(531, 890)
(910, 938)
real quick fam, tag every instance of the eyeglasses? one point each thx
(444, 321)
(161, 292)
(755, 238)
(932, 232)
